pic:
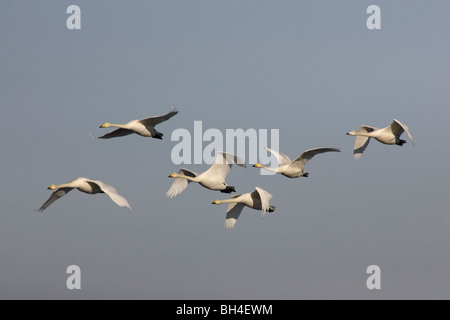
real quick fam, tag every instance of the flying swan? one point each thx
(389, 135)
(294, 169)
(87, 186)
(144, 127)
(258, 200)
(213, 178)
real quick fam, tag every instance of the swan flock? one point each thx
(214, 178)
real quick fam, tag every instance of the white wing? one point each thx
(153, 121)
(180, 184)
(59, 193)
(112, 193)
(398, 128)
(223, 163)
(281, 157)
(265, 197)
(362, 142)
(233, 212)
(301, 160)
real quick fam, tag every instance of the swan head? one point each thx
(258, 165)
(216, 202)
(172, 175)
(105, 125)
(351, 133)
(52, 187)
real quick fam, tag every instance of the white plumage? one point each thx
(294, 169)
(87, 186)
(258, 200)
(389, 135)
(143, 127)
(213, 178)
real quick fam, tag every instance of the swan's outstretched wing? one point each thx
(398, 128)
(153, 121)
(223, 163)
(180, 184)
(301, 160)
(264, 197)
(59, 193)
(116, 133)
(112, 193)
(233, 212)
(362, 142)
(281, 157)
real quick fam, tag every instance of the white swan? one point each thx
(258, 200)
(144, 127)
(294, 169)
(213, 178)
(87, 186)
(389, 135)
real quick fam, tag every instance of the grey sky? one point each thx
(309, 68)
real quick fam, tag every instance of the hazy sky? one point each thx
(311, 69)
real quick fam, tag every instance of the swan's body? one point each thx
(258, 200)
(144, 127)
(87, 186)
(294, 169)
(212, 179)
(389, 135)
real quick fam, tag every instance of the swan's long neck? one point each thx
(121, 126)
(64, 185)
(193, 179)
(268, 168)
(72, 184)
(365, 134)
(232, 200)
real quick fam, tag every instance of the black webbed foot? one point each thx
(229, 189)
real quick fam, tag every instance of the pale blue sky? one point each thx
(309, 68)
